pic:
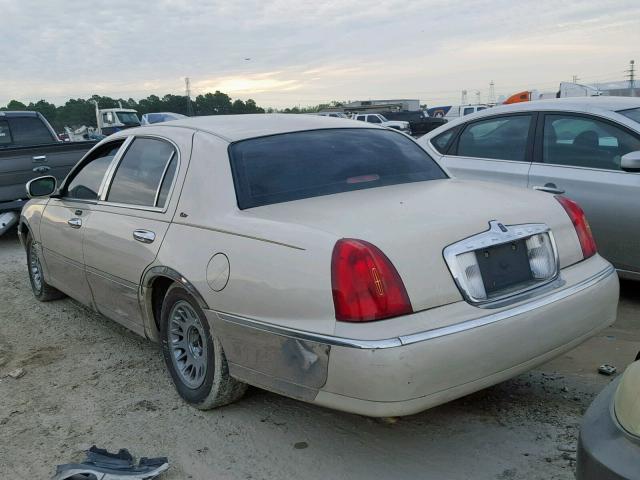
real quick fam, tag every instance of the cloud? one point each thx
(307, 52)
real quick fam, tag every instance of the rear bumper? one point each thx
(605, 450)
(412, 372)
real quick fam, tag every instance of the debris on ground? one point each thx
(607, 369)
(112, 466)
(17, 373)
(567, 448)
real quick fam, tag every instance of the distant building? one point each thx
(375, 106)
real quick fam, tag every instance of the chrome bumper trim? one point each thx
(428, 334)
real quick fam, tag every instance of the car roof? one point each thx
(240, 127)
(572, 103)
(17, 113)
(600, 104)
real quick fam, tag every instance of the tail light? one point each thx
(583, 230)
(366, 286)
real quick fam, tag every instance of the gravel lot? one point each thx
(87, 380)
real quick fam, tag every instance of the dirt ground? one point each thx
(89, 381)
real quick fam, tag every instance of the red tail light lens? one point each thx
(576, 214)
(366, 286)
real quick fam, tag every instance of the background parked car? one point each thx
(332, 114)
(587, 148)
(609, 443)
(29, 148)
(149, 118)
(419, 122)
(381, 120)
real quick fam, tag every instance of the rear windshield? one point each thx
(633, 114)
(27, 131)
(293, 166)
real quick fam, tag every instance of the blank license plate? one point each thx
(504, 266)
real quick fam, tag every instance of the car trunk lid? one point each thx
(413, 223)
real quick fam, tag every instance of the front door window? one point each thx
(580, 141)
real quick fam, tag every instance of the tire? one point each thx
(194, 357)
(41, 289)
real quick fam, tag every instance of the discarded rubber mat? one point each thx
(103, 465)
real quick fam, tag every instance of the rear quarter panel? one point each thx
(277, 275)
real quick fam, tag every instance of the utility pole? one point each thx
(575, 79)
(631, 75)
(478, 97)
(463, 100)
(187, 88)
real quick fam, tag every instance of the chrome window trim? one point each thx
(498, 234)
(410, 339)
(102, 198)
(483, 158)
(579, 167)
(164, 174)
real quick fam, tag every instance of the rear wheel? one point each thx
(41, 289)
(193, 355)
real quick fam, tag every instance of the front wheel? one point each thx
(194, 357)
(41, 289)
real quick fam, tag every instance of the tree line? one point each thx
(79, 111)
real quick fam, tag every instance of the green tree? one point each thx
(45, 108)
(15, 105)
(217, 103)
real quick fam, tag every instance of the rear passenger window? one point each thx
(503, 138)
(30, 131)
(142, 177)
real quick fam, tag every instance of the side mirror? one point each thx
(630, 162)
(41, 186)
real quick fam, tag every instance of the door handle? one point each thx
(144, 236)
(42, 169)
(39, 158)
(74, 222)
(549, 188)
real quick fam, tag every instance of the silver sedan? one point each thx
(585, 148)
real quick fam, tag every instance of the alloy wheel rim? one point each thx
(188, 344)
(35, 269)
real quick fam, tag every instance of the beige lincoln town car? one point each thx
(328, 260)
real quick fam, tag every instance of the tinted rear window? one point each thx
(29, 131)
(293, 166)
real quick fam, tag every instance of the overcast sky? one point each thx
(285, 53)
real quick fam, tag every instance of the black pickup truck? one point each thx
(30, 148)
(419, 121)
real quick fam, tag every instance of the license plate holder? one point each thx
(504, 266)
